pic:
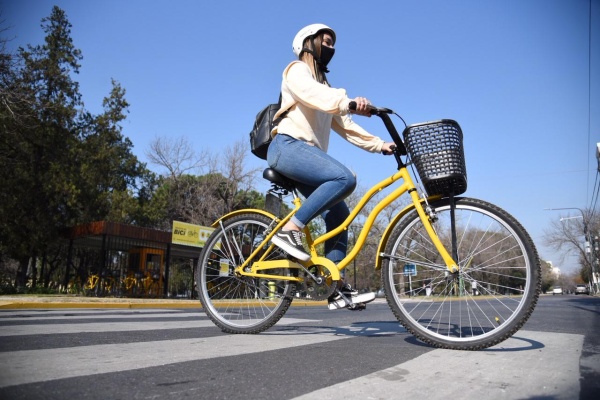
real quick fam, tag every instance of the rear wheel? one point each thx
(240, 304)
(487, 300)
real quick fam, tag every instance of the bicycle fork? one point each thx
(453, 228)
(425, 216)
(427, 219)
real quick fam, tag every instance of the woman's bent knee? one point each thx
(349, 182)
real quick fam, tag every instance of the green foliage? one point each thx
(59, 165)
(548, 277)
(108, 171)
(7, 288)
(38, 144)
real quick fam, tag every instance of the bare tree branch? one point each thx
(177, 156)
(567, 235)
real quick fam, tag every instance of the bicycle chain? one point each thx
(317, 291)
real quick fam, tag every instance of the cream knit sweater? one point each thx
(315, 109)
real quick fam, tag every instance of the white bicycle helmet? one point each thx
(309, 31)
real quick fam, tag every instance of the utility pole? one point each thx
(598, 155)
(596, 261)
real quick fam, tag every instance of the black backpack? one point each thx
(260, 136)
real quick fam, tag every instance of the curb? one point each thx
(60, 302)
(60, 305)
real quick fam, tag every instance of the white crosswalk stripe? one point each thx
(19, 330)
(508, 371)
(499, 367)
(41, 365)
(137, 315)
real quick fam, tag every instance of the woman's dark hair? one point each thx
(314, 43)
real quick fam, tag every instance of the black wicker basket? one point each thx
(436, 148)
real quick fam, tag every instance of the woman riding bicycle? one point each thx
(311, 108)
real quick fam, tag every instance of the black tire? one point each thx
(239, 304)
(487, 301)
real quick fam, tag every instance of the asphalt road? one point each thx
(311, 353)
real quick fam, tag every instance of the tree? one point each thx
(548, 276)
(13, 102)
(177, 156)
(107, 172)
(568, 236)
(218, 187)
(59, 165)
(239, 179)
(39, 144)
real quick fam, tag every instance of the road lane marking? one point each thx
(528, 365)
(131, 326)
(67, 316)
(29, 366)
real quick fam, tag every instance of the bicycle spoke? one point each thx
(489, 297)
(236, 303)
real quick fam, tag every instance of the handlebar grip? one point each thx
(383, 114)
(374, 110)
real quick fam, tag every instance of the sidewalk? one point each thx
(64, 301)
(74, 301)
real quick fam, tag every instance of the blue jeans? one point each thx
(322, 180)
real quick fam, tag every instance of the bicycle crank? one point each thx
(317, 283)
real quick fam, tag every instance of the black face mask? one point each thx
(326, 54)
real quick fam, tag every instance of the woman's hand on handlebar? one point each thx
(363, 107)
(388, 148)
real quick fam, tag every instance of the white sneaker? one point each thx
(355, 300)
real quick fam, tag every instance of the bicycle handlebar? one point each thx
(383, 113)
(374, 110)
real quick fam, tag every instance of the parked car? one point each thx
(557, 290)
(582, 289)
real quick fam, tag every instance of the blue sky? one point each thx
(514, 73)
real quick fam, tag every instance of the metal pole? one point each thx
(167, 261)
(354, 260)
(595, 253)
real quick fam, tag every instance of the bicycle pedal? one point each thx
(357, 306)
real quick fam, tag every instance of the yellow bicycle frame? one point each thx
(258, 267)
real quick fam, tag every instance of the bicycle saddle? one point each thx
(277, 179)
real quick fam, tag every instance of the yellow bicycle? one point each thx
(457, 272)
(91, 284)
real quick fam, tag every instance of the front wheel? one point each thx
(235, 303)
(487, 300)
